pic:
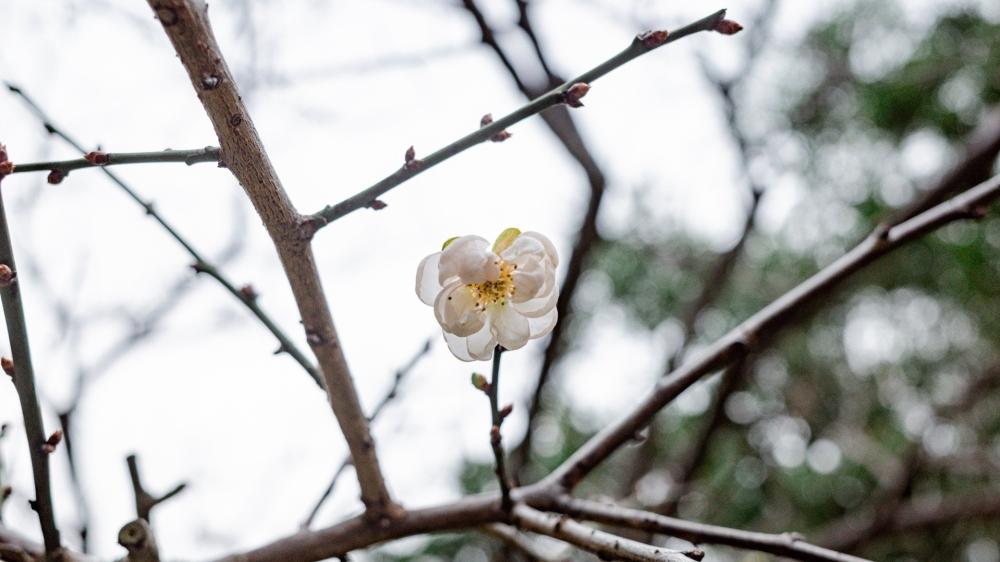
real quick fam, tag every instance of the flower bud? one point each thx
(7, 275)
(479, 381)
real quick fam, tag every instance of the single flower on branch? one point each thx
(483, 297)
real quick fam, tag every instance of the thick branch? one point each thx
(186, 24)
(788, 545)
(24, 382)
(549, 99)
(386, 399)
(201, 264)
(736, 344)
(603, 544)
(189, 157)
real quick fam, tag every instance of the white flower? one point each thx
(486, 296)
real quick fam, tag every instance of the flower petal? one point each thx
(542, 325)
(540, 306)
(428, 285)
(456, 310)
(529, 279)
(524, 249)
(481, 344)
(510, 327)
(470, 259)
(457, 346)
(550, 249)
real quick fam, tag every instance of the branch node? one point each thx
(97, 157)
(210, 82)
(376, 205)
(248, 293)
(412, 163)
(499, 137)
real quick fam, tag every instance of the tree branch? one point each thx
(144, 501)
(789, 545)
(520, 541)
(137, 537)
(186, 24)
(100, 159)
(739, 341)
(201, 264)
(22, 371)
(386, 399)
(598, 542)
(551, 98)
(496, 441)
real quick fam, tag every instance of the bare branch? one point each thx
(598, 542)
(739, 341)
(201, 264)
(386, 399)
(144, 501)
(789, 545)
(496, 442)
(22, 371)
(186, 24)
(521, 542)
(100, 159)
(551, 98)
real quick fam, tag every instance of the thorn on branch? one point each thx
(653, 39)
(7, 276)
(499, 137)
(412, 162)
(574, 94)
(96, 157)
(376, 205)
(56, 177)
(52, 442)
(728, 27)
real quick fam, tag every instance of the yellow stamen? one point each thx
(495, 292)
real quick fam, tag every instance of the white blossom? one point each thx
(484, 297)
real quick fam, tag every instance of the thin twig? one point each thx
(186, 24)
(388, 397)
(765, 323)
(201, 264)
(496, 440)
(22, 371)
(189, 157)
(553, 97)
(789, 545)
(603, 544)
(144, 501)
(560, 121)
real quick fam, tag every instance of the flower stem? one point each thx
(495, 438)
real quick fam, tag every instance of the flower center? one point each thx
(495, 292)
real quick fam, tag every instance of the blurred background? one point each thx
(698, 184)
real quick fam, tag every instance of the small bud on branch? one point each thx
(499, 137)
(96, 157)
(56, 177)
(653, 39)
(377, 205)
(52, 442)
(480, 383)
(6, 166)
(728, 27)
(505, 411)
(7, 275)
(7, 365)
(412, 162)
(572, 96)
(248, 292)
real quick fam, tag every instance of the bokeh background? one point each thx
(816, 122)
